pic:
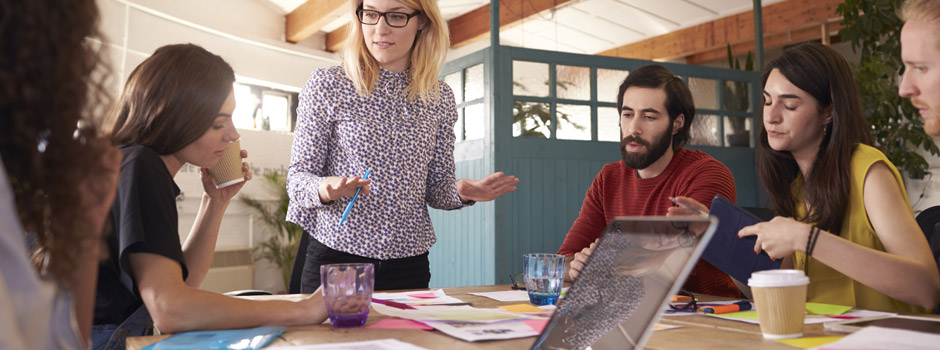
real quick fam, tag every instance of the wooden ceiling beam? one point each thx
(796, 35)
(737, 30)
(313, 15)
(336, 39)
(475, 25)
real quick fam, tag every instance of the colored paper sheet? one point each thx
(448, 313)
(508, 295)
(809, 342)
(826, 309)
(521, 308)
(425, 295)
(398, 323)
(662, 327)
(537, 325)
(470, 316)
(744, 315)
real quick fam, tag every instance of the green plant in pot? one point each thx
(736, 97)
(283, 237)
(874, 29)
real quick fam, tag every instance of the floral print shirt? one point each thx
(408, 145)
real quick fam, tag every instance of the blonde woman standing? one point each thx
(385, 110)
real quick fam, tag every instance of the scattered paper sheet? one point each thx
(751, 316)
(809, 342)
(521, 308)
(473, 331)
(826, 309)
(449, 313)
(435, 297)
(399, 323)
(509, 295)
(885, 338)
(537, 325)
(662, 327)
(383, 344)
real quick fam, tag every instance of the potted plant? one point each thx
(874, 29)
(281, 245)
(736, 97)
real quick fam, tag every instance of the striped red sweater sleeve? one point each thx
(617, 191)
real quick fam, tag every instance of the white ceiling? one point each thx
(590, 26)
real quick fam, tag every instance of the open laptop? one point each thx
(636, 268)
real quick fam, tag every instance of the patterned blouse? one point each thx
(409, 145)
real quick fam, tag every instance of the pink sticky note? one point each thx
(537, 325)
(426, 295)
(399, 323)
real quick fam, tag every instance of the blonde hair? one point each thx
(427, 54)
(927, 10)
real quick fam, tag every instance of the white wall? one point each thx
(249, 35)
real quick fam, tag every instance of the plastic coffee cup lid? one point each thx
(778, 278)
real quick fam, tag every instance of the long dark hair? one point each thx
(678, 97)
(51, 85)
(824, 74)
(171, 99)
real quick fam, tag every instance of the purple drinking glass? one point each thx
(347, 291)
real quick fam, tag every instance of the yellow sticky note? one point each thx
(749, 315)
(521, 308)
(809, 342)
(826, 309)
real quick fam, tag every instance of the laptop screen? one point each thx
(636, 268)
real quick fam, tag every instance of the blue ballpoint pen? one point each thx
(350, 205)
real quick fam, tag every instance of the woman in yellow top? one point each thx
(842, 212)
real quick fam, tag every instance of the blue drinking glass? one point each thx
(544, 276)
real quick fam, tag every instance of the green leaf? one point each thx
(873, 28)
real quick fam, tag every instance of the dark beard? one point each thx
(640, 161)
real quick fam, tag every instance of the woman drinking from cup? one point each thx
(176, 109)
(385, 111)
(842, 212)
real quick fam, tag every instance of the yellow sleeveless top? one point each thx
(827, 285)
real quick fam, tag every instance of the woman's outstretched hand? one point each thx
(336, 187)
(487, 188)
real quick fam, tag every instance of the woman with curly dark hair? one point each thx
(57, 176)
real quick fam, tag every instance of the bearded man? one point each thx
(656, 112)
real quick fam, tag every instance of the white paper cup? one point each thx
(229, 169)
(780, 298)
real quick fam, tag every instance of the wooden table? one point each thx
(697, 332)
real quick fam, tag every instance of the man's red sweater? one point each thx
(618, 191)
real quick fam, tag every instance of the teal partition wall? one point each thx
(554, 125)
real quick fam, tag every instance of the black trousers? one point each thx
(406, 273)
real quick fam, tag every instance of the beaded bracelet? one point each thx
(811, 240)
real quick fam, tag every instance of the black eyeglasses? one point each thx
(393, 19)
(683, 302)
(517, 277)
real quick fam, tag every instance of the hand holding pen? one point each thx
(688, 206)
(336, 187)
(353, 200)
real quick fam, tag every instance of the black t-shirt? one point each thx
(145, 220)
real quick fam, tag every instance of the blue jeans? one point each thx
(113, 336)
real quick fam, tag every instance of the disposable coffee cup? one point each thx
(229, 169)
(780, 298)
